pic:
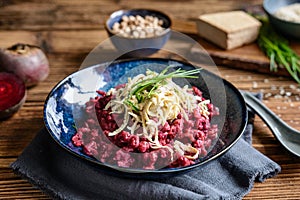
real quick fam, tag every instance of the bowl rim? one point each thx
(146, 172)
(123, 11)
(265, 8)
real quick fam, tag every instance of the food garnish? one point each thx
(277, 48)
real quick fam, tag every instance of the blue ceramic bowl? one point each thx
(288, 29)
(64, 107)
(138, 47)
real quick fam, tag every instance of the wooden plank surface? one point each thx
(68, 30)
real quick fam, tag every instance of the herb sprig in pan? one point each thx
(278, 50)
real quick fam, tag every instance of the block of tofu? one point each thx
(228, 30)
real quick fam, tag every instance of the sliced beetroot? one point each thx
(12, 94)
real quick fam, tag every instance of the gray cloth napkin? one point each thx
(64, 176)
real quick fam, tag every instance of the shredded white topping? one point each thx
(165, 102)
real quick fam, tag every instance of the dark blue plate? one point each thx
(64, 106)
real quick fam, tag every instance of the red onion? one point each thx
(26, 61)
(12, 94)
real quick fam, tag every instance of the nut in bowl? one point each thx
(284, 16)
(138, 32)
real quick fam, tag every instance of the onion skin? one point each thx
(12, 94)
(26, 61)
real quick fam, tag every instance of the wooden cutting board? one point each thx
(248, 57)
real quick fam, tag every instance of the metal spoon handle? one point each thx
(275, 124)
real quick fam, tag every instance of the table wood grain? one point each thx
(68, 30)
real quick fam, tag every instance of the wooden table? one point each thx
(68, 30)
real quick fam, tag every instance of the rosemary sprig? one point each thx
(278, 50)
